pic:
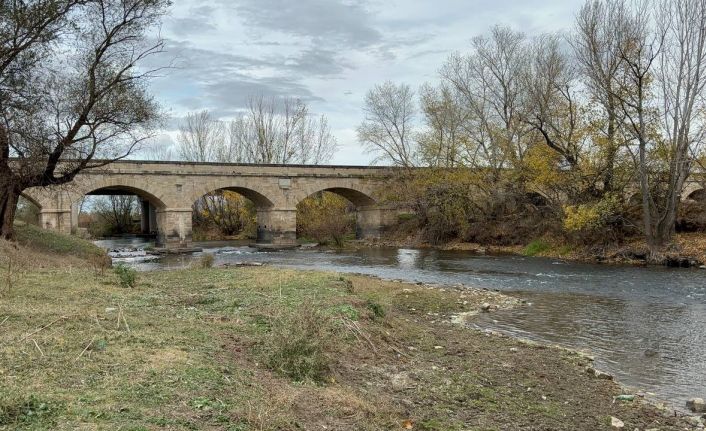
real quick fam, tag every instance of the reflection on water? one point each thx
(647, 326)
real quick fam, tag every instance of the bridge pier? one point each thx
(59, 220)
(174, 227)
(276, 228)
(371, 221)
(148, 218)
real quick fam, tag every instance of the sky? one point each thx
(328, 53)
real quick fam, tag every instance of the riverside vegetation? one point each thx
(272, 349)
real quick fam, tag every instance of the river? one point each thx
(644, 325)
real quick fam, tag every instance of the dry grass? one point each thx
(210, 349)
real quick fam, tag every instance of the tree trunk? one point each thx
(9, 195)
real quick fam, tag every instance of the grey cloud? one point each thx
(326, 20)
(235, 93)
(198, 21)
(190, 25)
(317, 62)
(215, 80)
(204, 64)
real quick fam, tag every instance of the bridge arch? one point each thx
(34, 200)
(208, 200)
(125, 186)
(369, 216)
(356, 197)
(151, 205)
(258, 198)
(693, 191)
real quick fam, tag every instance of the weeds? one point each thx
(9, 276)
(535, 247)
(16, 411)
(99, 263)
(127, 276)
(376, 308)
(206, 261)
(296, 345)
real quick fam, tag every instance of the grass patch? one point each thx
(298, 345)
(535, 248)
(272, 349)
(24, 411)
(49, 241)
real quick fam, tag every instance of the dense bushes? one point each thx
(326, 217)
(462, 205)
(223, 214)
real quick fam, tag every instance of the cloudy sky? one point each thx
(326, 52)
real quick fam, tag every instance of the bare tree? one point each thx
(117, 212)
(160, 150)
(280, 131)
(595, 42)
(201, 138)
(71, 94)
(387, 129)
(660, 88)
(316, 144)
(443, 143)
(489, 79)
(552, 108)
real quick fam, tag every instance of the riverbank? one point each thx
(265, 349)
(689, 249)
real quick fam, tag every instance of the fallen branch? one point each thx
(122, 315)
(37, 346)
(43, 328)
(84, 350)
(358, 333)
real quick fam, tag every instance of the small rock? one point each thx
(598, 374)
(438, 347)
(616, 423)
(485, 307)
(696, 421)
(696, 405)
(400, 382)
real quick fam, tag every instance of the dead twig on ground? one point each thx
(121, 315)
(43, 328)
(358, 333)
(37, 346)
(86, 348)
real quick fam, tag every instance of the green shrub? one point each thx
(15, 411)
(405, 217)
(603, 220)
(376, 308)
(535, 247)
(296, 345)
(126, 276)
(347, 311)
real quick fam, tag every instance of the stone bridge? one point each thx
(168, 191)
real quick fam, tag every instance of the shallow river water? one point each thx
(646, 326)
